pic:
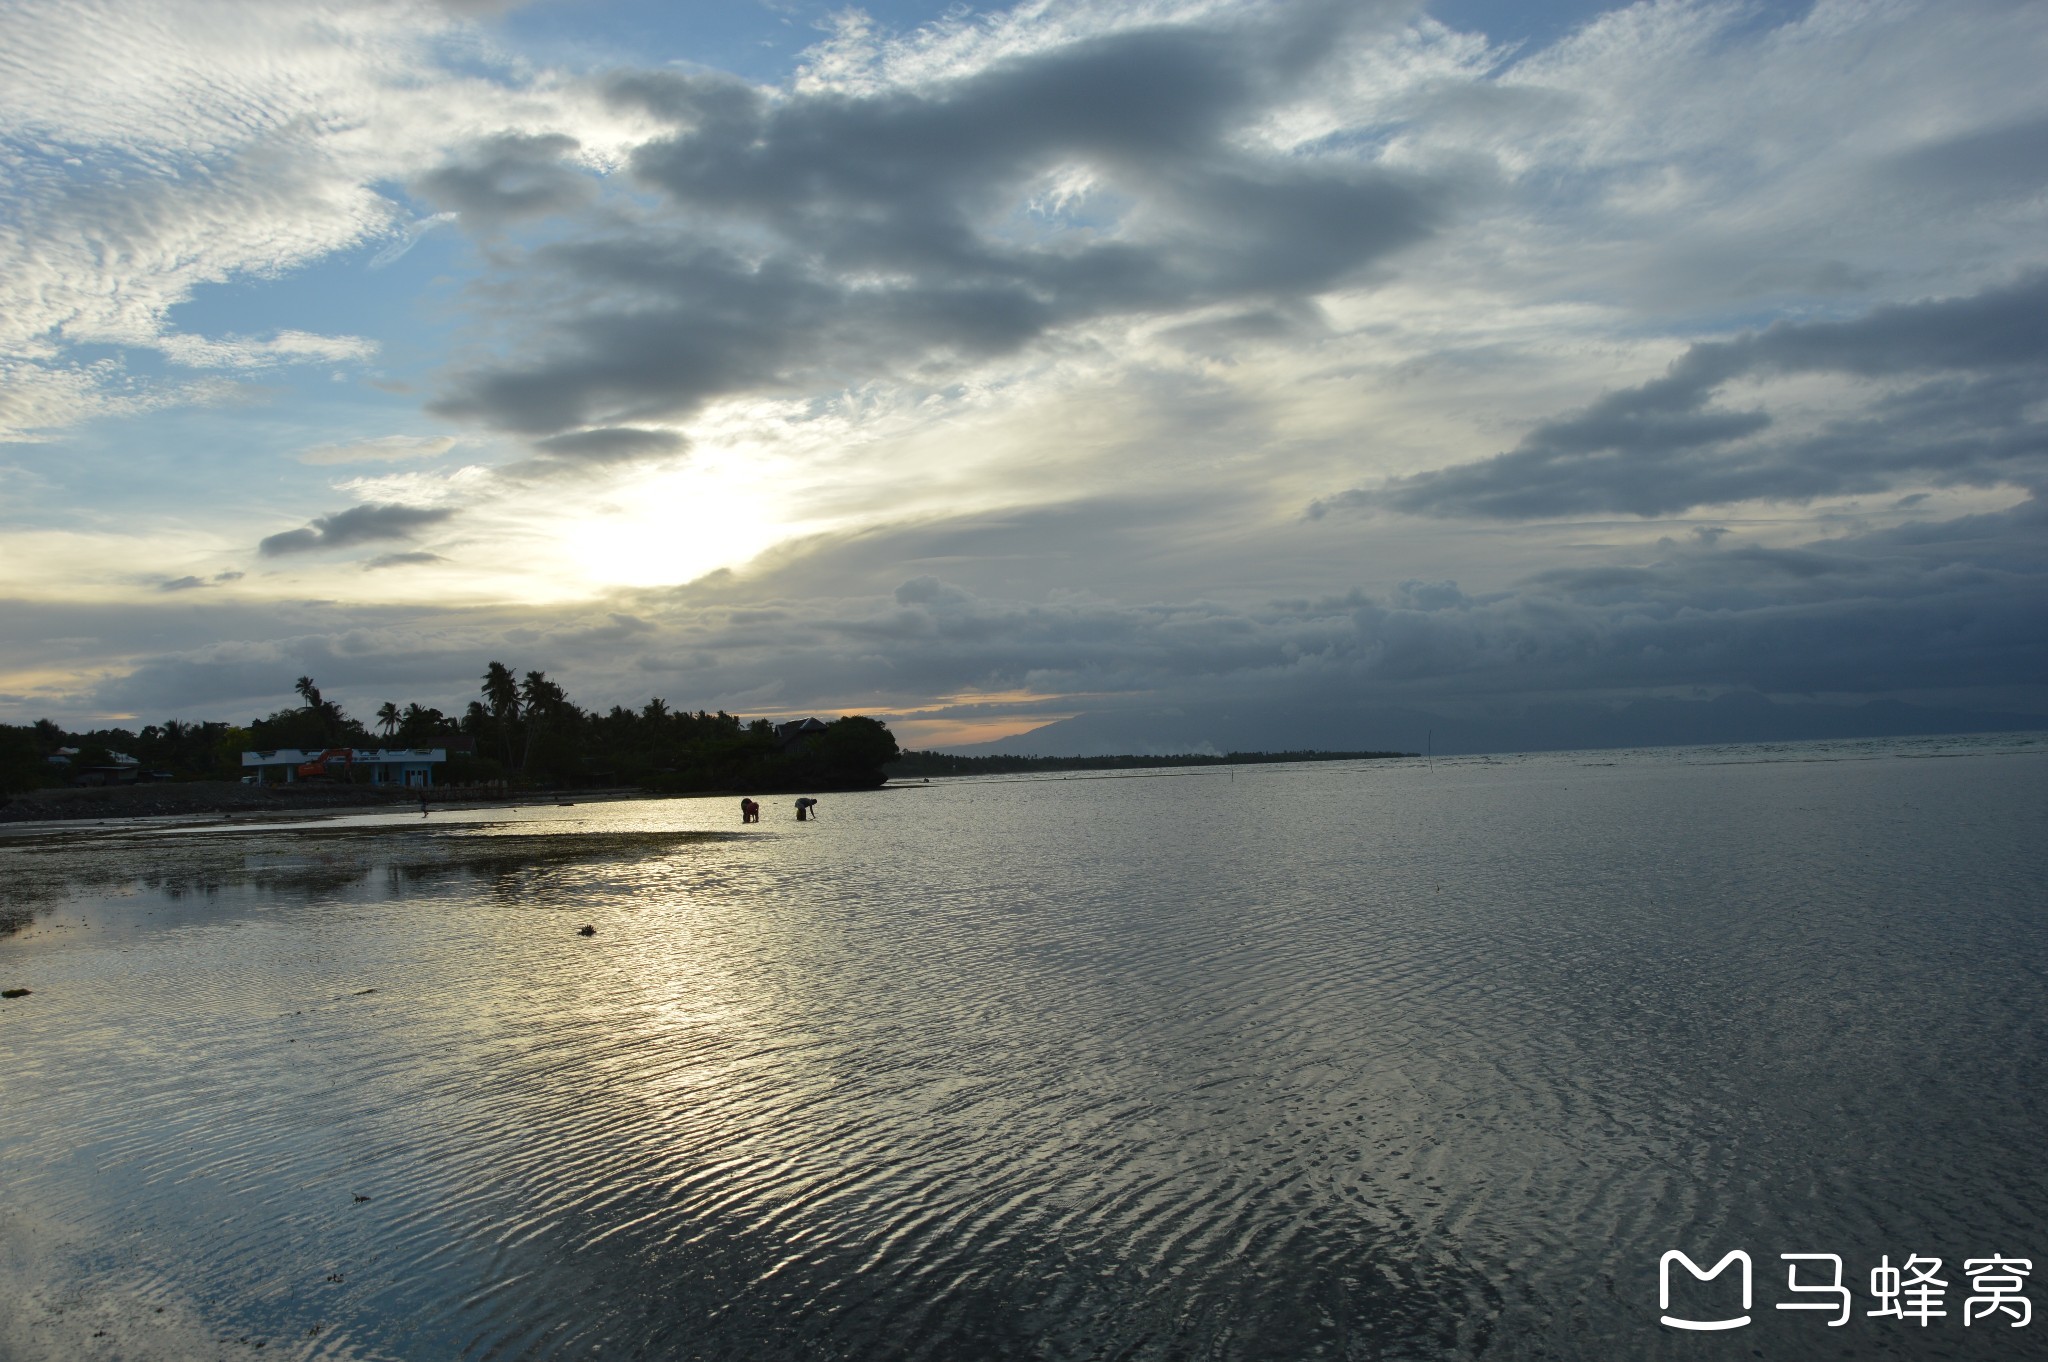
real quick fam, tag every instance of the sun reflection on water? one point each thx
(1364, 1057)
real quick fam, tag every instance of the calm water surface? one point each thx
(1345, 1061)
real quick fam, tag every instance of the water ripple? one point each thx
(1346, 1062)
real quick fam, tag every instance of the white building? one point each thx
(409, 766)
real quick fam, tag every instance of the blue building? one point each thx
(406, 766)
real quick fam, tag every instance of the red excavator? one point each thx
(336, 763)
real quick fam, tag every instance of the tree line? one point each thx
(518, 729)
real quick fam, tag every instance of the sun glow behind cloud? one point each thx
(676, 525)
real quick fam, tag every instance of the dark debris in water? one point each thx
(586, 930)
(14, 992)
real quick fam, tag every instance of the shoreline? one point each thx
(91, 810)
(206, 803)
(201, 798)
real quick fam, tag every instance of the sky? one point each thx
(985, 369)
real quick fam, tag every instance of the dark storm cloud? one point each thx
(1658, 449)
(506, 178)
(836, 237)
(238, 681)
(363, 524)
(1951, 607)
(253, 650)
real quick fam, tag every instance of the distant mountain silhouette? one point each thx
(1732, 718)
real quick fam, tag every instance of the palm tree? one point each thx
(387, 717)
(501, 690)
(543, 700)
(329, 712)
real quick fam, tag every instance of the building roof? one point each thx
(360, 756)
(797, 730)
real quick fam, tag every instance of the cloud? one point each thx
(390, 560)
(930, 592)
(604, 445)
(1994, 163)
(1053, 318)
(1972, 416)
(622, 628)
(408, 238)
(363, 524)
(240, 679)
(1949, 608)
(244, 352)
(480, 7)
(183, 584)
(382, 449)
(149, 150)
(506, 178)
(826, 233)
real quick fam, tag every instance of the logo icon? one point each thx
(1704, 1275)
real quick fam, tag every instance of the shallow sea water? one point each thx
(1363, 1060)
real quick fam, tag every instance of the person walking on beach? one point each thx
(807, 810)
(423, 803)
